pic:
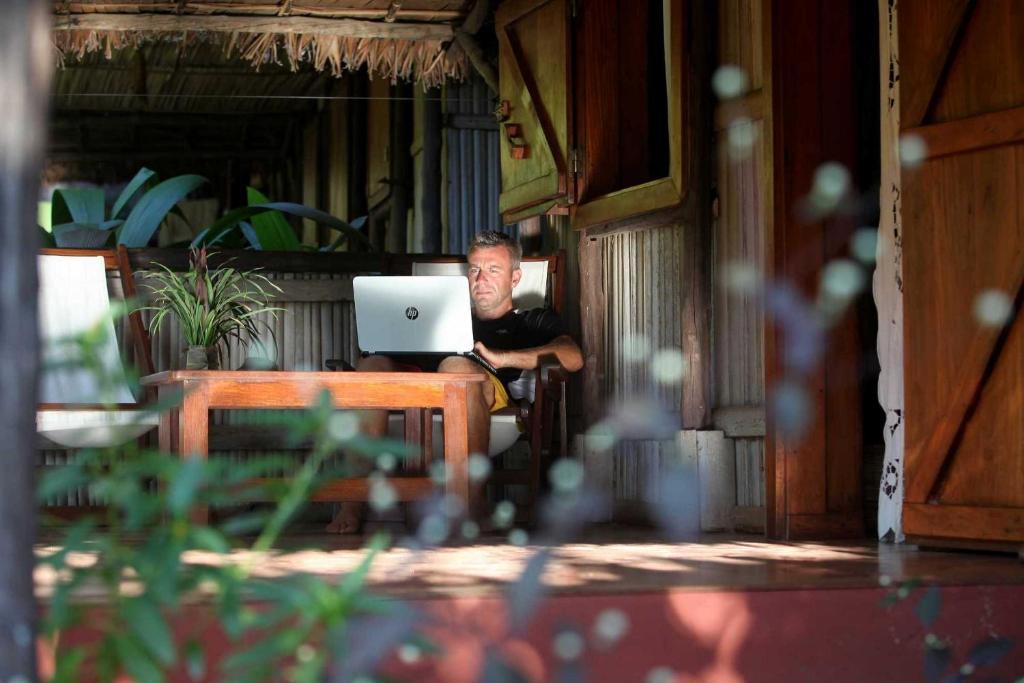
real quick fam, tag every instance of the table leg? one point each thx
(193, 433)
(456, 443)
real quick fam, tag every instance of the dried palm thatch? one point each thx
(323, 34)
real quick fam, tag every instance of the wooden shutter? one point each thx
(534, 68)
(963, 234)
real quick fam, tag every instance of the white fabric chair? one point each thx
(82, 406)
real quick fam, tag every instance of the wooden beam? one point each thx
(25, 72)
(345, 28)
(972, 134)
(740, 422)
(1002, 524)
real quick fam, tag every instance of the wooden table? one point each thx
(184, 430)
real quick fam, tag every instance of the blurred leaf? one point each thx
(523, 596)
(208, 538)
(929, 606)
(353, 581)
(988, 652)
(182, 489)
(195, 660)
(936, 659)
(272, 230)
(152, 208)
(245, 523)
(135, 660)
(59, 480)
(497, 670)
(368, 640)
(149, 626)
(265, 652)
(133, 186)
(68, 664)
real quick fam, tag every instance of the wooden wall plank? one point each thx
(985, 73)
(924, 51)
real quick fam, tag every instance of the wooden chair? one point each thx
(81, 406)
(539, 393)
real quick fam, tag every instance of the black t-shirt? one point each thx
(518, 330)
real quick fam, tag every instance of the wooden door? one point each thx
(534, 43)
(962, 95)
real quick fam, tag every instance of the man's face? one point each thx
(491, 280)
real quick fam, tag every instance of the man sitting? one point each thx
(510, 340)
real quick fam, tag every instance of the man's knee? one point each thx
(375, 364)
(459, 364)
(482, 392)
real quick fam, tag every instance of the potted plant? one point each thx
(212, 305)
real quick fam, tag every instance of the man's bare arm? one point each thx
(563, 349)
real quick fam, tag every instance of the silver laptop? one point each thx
(421, 314)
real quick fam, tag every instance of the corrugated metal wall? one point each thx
(643, 287)
(473, 166)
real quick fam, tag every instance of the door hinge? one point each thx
(574, 161)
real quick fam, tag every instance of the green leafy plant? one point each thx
(262, 226)
(212, 305)
(79, 216)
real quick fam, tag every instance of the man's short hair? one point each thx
(493, 238)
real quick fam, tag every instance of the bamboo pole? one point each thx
(25, 73)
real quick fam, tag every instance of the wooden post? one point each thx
(431, 178)
(697, 290)
(25, 72)
(401, 179)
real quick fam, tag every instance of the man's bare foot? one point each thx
(348, 520)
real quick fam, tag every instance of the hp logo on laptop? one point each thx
(411, 313)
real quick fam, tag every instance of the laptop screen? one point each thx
(413, 314)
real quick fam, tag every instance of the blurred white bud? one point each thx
(730, 81)
(993, 308)
(913, 150)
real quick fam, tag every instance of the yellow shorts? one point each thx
(500, 395)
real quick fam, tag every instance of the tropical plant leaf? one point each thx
(228, 223)
(135, 660)
(149, 626)
(250, 234)
(130, 190)
(146, 216)
(46, 238)
(77, 205)
(84, 235)
(271, 229)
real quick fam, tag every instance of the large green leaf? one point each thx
(151, 210)
(77, 205)
(272, 230)
(45, 238)
(148, 625)
(84, 235)
(133, 186)
(229, 222)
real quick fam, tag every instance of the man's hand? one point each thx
(497, 359)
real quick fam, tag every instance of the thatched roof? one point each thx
(409, 39)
